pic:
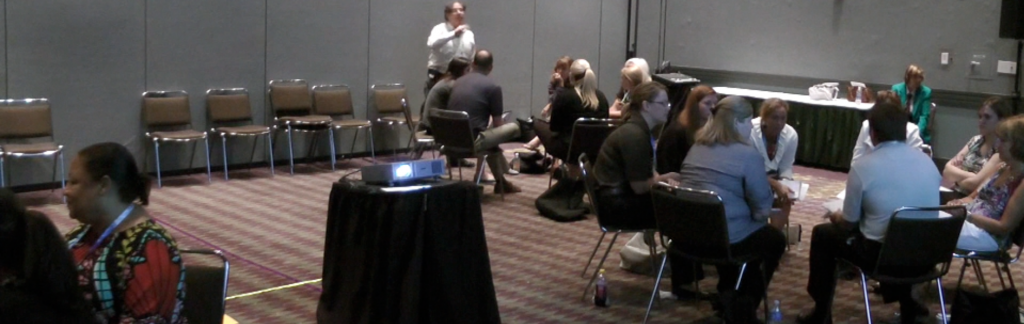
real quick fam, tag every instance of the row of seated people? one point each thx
(118, 266)
(722, 150)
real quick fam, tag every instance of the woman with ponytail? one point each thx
(128, 266)
(582, 100)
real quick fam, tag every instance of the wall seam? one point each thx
(145, 45)
(266, 53)
(7, 67)
(533, 56)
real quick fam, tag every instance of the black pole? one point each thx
(1016, 79)
(629, 25)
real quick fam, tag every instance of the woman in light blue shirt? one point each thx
(723, 160)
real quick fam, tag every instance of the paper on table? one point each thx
(799, 189)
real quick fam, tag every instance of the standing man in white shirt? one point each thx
(448, 40)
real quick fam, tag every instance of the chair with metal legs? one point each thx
(455, 135)
(1002, 259)
(693, 226)
(336, 101)
(22, 121)
(230, 112)
(168, 119)
(206, 287)
(392, 108)
(609, 223)
(291, 108)
(917, 237)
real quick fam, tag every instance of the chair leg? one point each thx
(864, 289)
(599, 265)
(156, 156)
(270, 150)
(355, 136)
(53, 172)
(64, 180)
(942, 300)
(209, 174)
(252, 152)
(291, 152)
(962, 271)
(373, 148)
(334, 158)
(657, 282)
(224, 151)
(1009, 277)
(2, 182)
(653, 253)
(592, 254)
(999, 272)
(743, 269)
(979, 274)
(195, 145)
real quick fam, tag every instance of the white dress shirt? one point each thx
(864, 146)
(891, 176)
(785, 152)
(445, 45)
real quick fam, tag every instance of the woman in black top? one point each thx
(570, 104)
(38, 282)
(678, 136)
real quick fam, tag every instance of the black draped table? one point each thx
(828, 129)
(406, 255)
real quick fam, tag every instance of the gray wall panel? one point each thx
(3, 50)
(506, 29)
(613, 46)
(88, 58)
(222, 46)
(324, 42)
(570, 27)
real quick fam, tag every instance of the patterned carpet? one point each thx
(272, 230)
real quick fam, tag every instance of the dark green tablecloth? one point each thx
(827, 134)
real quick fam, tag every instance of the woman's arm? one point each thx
(1010, 219)
(974, 181)
(952, 171)
(756, 190)
(615, 111)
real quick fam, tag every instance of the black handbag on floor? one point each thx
(984, 307)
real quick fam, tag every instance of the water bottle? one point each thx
(860, 95)
(601, 290)
(775, 317)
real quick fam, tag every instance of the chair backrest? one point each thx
(25, 118)
(920, 237)
(389, 98)
(166, 108)
(451, 129)
(289, 98)
(228, 105)
(332, 100)
(206, 288)
(693, 219)
(588, 134)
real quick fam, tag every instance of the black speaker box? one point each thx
(1011, 21)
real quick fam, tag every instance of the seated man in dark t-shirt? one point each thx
(478, 95)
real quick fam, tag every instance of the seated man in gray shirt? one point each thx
(478, 95)
(891, 176)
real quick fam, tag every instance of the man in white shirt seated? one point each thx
(892, 175)
(864, 144)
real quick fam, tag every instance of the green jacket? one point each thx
(922, 107)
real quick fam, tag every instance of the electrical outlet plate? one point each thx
(1007, 67)
(944, 58)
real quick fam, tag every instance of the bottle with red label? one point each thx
(601, 290)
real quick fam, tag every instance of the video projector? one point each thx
(398, 172)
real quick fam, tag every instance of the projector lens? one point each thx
(403, 171)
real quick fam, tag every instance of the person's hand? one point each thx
(835, 217)
(671, 178)
(459, 30)
(556, 78)
(782, 193)
(958, 202)
(617, 106)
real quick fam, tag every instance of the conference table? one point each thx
(828, 129)
(412, 254)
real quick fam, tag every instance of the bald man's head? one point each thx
(483, 62)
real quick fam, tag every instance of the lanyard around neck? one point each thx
(110, 229)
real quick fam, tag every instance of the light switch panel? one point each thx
(1007, 67)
